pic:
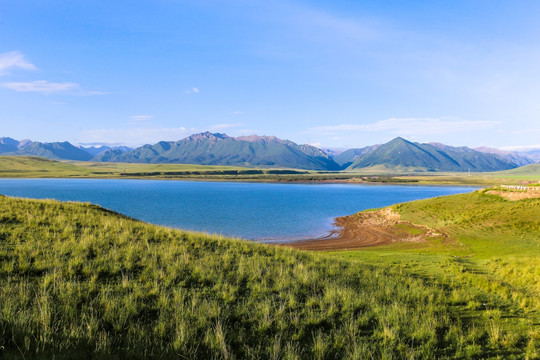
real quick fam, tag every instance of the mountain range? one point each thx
(54, 151)
(220, 149)
(268, 151)
(403, 154)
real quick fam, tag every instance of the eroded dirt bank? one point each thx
(364, 229)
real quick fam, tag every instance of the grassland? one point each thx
(35, 167)
(487, 244)
(529, 172)
(80, 281)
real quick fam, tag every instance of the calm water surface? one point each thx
(257, 211)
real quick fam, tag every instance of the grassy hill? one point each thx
(36, 167)
(80, 281)
(486, 244)
(528, 172)
(346, 158)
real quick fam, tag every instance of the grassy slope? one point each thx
(528, 172)
(487, 244)
(29, 166)
(403, 155)
(79, 280)
(34, 167)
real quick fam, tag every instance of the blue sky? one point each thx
(332, 73)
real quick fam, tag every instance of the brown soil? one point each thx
(366, 229)
(516, 195)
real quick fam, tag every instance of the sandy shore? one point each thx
(366, 229)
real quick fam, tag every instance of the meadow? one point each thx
(81, 281)
(36, 167)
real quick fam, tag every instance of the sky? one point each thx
(337, 74)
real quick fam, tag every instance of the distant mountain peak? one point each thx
(262, 139)
(207, 135)
(398, 141)
(254, 150)
(403, 154)
(220, 149)
(24, 143)
(9, 141)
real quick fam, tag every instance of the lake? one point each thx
(256, 211)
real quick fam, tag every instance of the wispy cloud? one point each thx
(137, 119)
(521, 147)
(47, 87)
(193, 90)
(133, 136)
(309, 28)
(408, 126)
(41, 86)
(13, 60)
(141, 117)
(526, 131)
(319, 24)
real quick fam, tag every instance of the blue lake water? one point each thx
(257, 211)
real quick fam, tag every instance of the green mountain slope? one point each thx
(220, 149)
(515, 157)
(346, 158)
(404, 154)
(54, 151)
(528, 172)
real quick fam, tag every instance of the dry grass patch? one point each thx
(515, 195)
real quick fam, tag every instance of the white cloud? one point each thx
(14, 59)
(41, 86)
(47, 87)
(408, 126)
(193, 90)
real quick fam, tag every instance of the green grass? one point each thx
(23, 166)
(528, 172)
(489, 245)
(80, 281)
(487, 225)
(35, 167)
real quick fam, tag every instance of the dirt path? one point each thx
(363, 230)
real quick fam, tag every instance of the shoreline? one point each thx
(366, 229)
